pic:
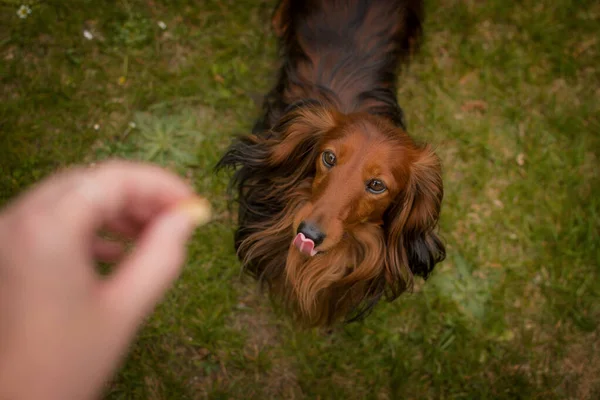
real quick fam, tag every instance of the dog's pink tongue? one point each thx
(305, 245)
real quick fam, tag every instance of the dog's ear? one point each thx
(301, 127)
(297, 134)
(280, 19)
(286, 153)
(413, 248)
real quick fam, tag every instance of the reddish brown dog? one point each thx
(338, 205)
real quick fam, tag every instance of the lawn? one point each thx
(507, 91)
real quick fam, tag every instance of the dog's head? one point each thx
(368, 200)
(366, 172)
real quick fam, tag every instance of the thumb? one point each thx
(144, 276)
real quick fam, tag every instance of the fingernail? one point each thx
(197, 208)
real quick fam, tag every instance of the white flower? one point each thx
(162, 25)
(132, 125)
(88, 35)
(23, 11)
(96, 127)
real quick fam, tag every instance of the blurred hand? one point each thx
(63, 327)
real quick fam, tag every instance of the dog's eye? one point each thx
(329, 159)
(376, 186)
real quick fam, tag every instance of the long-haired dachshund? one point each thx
(337, 204)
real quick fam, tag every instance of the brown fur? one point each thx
(337, 94)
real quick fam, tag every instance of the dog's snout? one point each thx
(312, 232)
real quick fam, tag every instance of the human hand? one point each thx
(63, 327)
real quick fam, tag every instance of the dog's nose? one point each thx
(311, 232)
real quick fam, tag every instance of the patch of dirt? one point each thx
(581, 368)
(475, 106)
(575, 373)
(179, 56)
(255, 318)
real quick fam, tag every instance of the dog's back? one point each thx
(344, 53)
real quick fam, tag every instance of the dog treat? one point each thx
(198, 208)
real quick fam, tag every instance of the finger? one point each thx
(124, 227)
(116, 190)
(49, 191)
(107, 250)
(142, 278)
(131, 222)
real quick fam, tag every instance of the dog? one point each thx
(338, 205)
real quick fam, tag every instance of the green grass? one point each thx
(509, 94)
